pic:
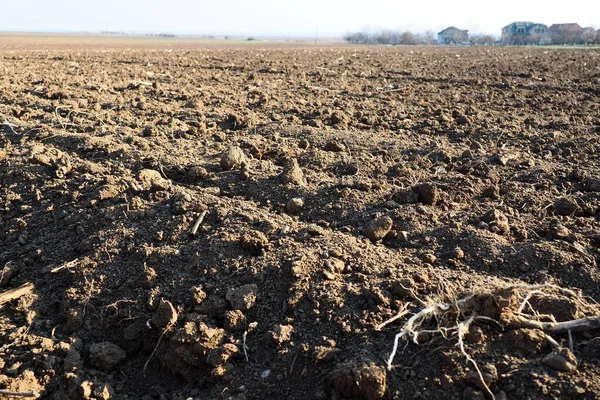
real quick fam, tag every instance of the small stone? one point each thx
(429, 258)
(335, 265)
(506, 157)
(560, 232)
(106, 355)
(254, 241)
(232, 158)
(458, 254)
(280, 334)
(378, 228)
(428, 193)
(104, 392)
(561, 360)
(165, 315)
(294, 205)
(303, 144)
(243, 297)
(292, 173)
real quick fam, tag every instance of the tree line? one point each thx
(397, 37)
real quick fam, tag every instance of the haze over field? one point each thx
(284, 18)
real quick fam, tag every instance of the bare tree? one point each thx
(480, 39)
(429, 38)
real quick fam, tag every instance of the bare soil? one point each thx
(234, 221)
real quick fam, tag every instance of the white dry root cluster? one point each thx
(457, 316)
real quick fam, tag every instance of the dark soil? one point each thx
(336, 184)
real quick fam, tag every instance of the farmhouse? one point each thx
(525, 33)
(452, 35)
(566, 33)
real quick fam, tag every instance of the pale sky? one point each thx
(286, 18)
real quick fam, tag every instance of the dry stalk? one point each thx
(8, 393)
(198, 222)
(165, 330)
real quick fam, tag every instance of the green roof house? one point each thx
(525, 33)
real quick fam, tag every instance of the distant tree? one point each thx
(429, 38)
(408, 38)
(481, 39)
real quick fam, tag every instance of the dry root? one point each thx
(456, 316)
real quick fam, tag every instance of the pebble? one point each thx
(561, 360)
(378, 228)
(294, 205)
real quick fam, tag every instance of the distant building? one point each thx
(566, 33)
(452, 35)
(525, 33)
(590, 35)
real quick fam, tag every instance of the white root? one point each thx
(515, 318)
(198, 222)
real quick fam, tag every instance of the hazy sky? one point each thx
(285, 18)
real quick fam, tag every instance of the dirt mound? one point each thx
(240, 222)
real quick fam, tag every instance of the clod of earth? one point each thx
(233, 158)
(243, 297)
(360, 380)
(165, 315)
(280, 334)
(489, 373)
(334, 146)
(566, 206)
(104, 392)
(428, 193)
(378, 228)
(292, 173)
(254, 241)
(106, 355)
(153, 180)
